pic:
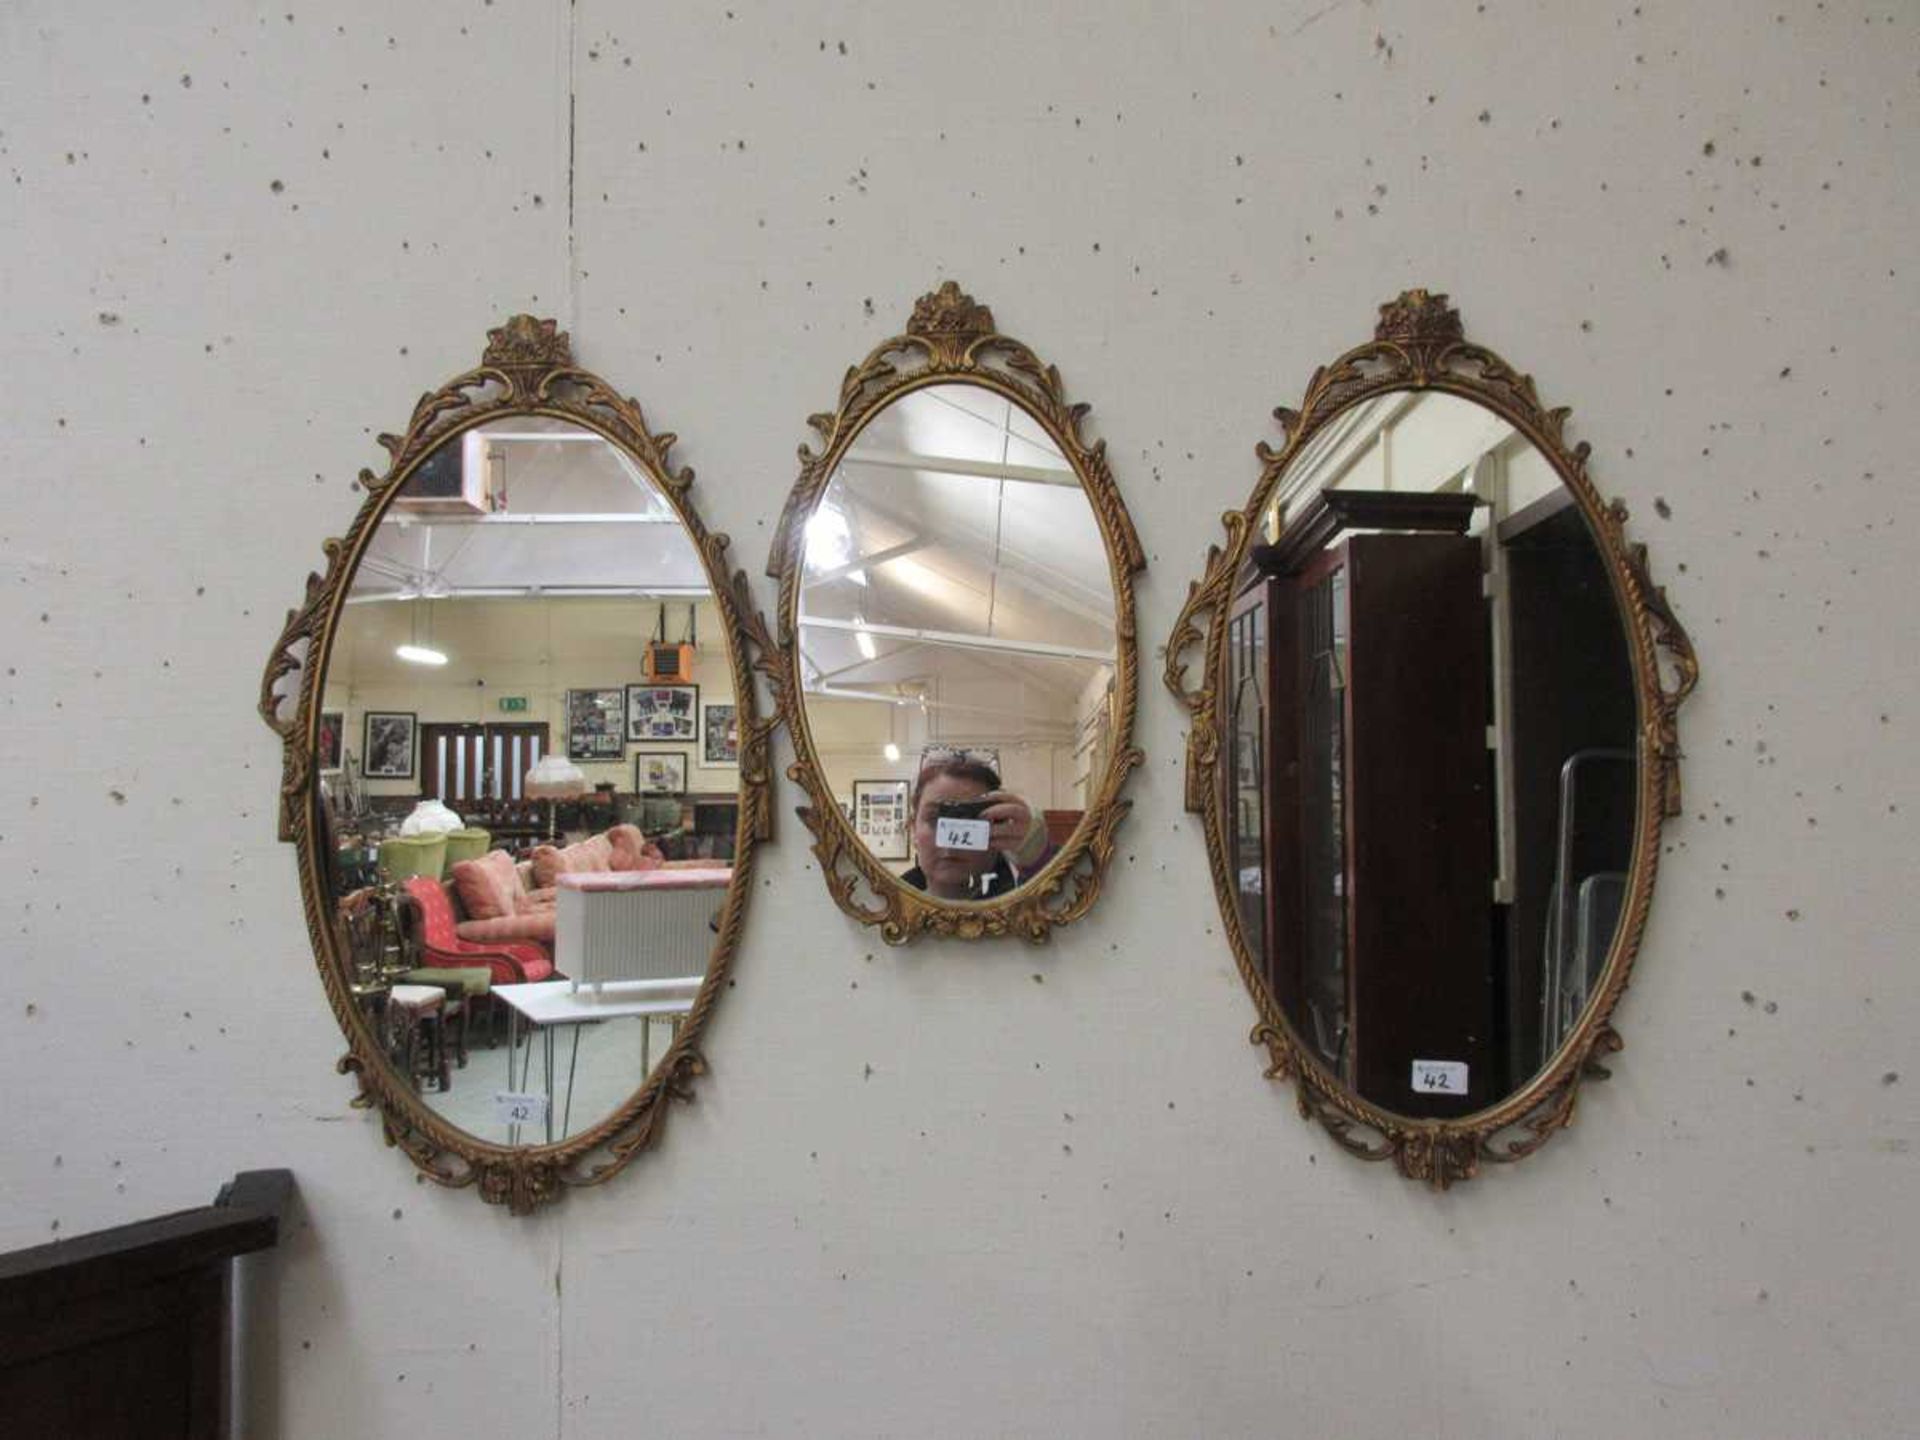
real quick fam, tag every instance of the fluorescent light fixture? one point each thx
(864, 639)
(413, 652)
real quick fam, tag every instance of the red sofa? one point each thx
(430, 924)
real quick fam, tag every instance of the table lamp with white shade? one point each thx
(552, 779)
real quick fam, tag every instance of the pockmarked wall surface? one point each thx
(959, 1191)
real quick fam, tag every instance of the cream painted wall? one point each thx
(920, 1193)
(536, 649)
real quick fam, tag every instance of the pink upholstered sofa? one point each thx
(493, 912)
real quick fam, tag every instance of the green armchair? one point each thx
(403, 857)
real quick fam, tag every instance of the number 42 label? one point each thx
(1439, 1077)
(512, 1109)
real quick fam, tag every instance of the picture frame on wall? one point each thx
(880, 817)
(597, 723)
(332, 740)
(663, 712)
(389, 736)
(720, 734)
(660, 772)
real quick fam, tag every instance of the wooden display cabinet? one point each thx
(1359, 792)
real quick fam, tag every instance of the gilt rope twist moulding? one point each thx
(527, 371)
(1419, 346)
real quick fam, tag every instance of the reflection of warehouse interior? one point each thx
(513, 586)
(1432, 724)
(957, 594)
(530, 766)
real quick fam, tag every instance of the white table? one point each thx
(547, 1004)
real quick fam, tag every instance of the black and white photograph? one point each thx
(388, 754)
(663, 712)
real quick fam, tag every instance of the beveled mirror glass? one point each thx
(956, 607)
(526, 776)
(1434, 749)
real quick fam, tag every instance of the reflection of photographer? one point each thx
(972, 840)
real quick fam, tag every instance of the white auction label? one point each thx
(1440, 1077)
(512, 1109)
(951, 834)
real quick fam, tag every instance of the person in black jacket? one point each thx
(1017, 838)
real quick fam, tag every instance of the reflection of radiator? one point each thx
(636, 924)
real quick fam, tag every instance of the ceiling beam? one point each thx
(961, 641)
(863, 661)
(976, 469)
(919, 703)
(1050, 583)
(838, 692)
(869, 562)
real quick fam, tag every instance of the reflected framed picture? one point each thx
(661, 773)
(597, 723)
(388, 752)
(333, 730)
(880, 817)
(663, 712)
(720, 734)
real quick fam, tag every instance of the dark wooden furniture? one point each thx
(1573, 692)
(1358, 788)
(1254, 769)
(124, 1334)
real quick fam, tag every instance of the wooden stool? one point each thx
(467, 989)
(414, 1031)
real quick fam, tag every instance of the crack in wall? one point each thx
(573, 255)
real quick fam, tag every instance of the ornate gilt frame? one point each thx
(951, 339)
(527, 369)
(1420, 344)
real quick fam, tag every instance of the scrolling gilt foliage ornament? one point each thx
(527, 369)
(951, 340)
(1420, 344)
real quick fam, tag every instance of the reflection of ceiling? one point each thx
(569, 513)
(954, 543)
(1423, 440)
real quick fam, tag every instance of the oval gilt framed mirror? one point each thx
(958, 664)
(1433, 742)
(526, 774)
